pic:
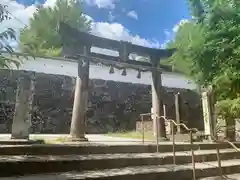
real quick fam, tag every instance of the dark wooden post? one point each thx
(23, 106)
(80, 105)
(123, 51)
(178, 111)
(157, 103)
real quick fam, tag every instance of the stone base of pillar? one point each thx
(81, 139)
(19, 138)
(163, 139)
(20, 142)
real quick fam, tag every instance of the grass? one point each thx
(129, 134)
(132, 135)
(59, 140)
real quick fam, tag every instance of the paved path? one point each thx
(104, 139)
(96, 138)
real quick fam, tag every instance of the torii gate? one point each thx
(78, 45)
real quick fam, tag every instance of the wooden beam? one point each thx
(111, 60)
(116, 59)
(90, 40)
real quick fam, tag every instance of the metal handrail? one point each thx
(173, 123)
(190, 130)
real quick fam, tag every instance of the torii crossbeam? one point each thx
(78, 45)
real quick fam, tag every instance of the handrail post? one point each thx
(192, 151)
(219, 163)
(142, 128)
(173, 141)
(157, 133)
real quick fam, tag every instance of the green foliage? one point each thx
(208, 47)
(227, 84)
(8, 34)
(228, 109)
(42, 34)
(188, 36)
(219, 59)
(208, 50)
(197, 9)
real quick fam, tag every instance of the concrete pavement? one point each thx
(95, 138)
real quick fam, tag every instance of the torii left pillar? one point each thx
(157, 103)
(80, 106)
(23, 106)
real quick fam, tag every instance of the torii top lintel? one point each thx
(86, 39)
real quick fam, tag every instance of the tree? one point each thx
(209, 48)
(42, 33)
(188, 35)
(210, 44)
(5, 36)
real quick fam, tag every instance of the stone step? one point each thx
(45, 149)
(225, 177)
(20, 165)
(20, 142)
(166, 172)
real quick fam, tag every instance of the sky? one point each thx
(151, 23)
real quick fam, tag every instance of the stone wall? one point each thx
(117, 105)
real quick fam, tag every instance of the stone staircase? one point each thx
(115, 162)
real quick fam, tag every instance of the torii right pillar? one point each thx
(157, 103)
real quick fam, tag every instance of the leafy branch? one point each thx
(5, 36)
